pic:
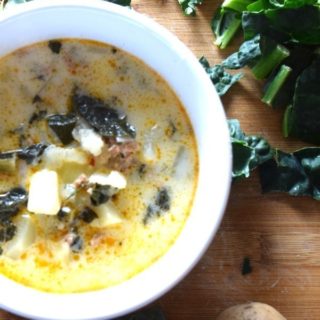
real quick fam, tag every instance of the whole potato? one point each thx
(251, 311)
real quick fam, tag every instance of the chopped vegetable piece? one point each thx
(161, 204)
(276, 85)
(304, 116)
(55, 46)
(10, 203)
(270, 61)
(237, 5)
(44, 193)
(87, 215)
(299, 59)
(62, 125)
(285, 25)
(248, 151)
(7, 232)
(55, 157)
(31, 153)
(225, 23)
(296, 173)
(101, 194)
(114, 179)
(219, 77)
(64, 212)
(106, 120)
(24, 237)
(108, 215)
(248, 53)
(189, 6)
(89, 140)
(77, 244)
(125, 3)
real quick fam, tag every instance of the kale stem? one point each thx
(237, 5)
(276, 84)
(224, 39)
(267, 63)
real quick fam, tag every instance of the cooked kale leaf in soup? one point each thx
(98, 166)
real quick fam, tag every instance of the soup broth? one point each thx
(98, 166)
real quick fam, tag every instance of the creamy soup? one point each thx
(98, 166)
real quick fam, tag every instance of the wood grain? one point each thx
(280, 234)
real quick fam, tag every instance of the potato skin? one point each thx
(251, 311)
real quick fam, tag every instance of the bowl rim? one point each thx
(55, 306)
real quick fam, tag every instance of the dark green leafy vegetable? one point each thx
(189, 6)
(7, 232)
(248, 151)
(219, 77)
(31, 153)
(10, 204)
(106, 120)
(161, 204)
(77, 243)
(55, 46)
(101, 194)
(292, 4)
(87, 215)
(248, 53)
(125, 3)
(290, 25)
(303, 118)
(62, 125)
(300, 58)
(224, 24)
(64, 212)
(296, 173)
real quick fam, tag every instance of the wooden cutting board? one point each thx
(279, 234)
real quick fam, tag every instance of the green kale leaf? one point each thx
(249, 152)
(300, 25)
(296, 173)
(62, 125)
(225, 24)
(189, 6)
(292, 4)
(108, 121)
(248, 53)
(221, 79)
(125, 3)
(303, 118)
